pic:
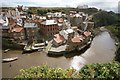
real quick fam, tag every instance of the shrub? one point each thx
(107, 70)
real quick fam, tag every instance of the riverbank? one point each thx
(112, 32)
(115, 30)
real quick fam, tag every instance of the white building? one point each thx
(69, 33)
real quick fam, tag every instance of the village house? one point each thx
(19, 21)
(49, 28)
(62, 37)
(67, 34)
(42, 17)
(87, 35)
(76, 19)
(18, 34)
(60, 23)
(78, 41)
(75, 43)
(66, 25)
(58, 40)
(19, 14)
(30, 30)
(4, 25)
(87, 26)
(51, 15)
(58, 14)
(33, 16)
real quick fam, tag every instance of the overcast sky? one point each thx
(109, 5)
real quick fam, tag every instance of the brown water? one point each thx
(102, 50)
(28, 60)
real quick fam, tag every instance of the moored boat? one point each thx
(33, 47)
(9, 59)
(5, 51)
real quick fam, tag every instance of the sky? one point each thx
(108, 5)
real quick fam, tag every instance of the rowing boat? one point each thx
(9, 59)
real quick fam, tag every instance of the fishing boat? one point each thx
(33, 47)
(9, 59)
(5, 51)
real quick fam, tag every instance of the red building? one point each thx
(49, 28)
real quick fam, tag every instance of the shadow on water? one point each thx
(69, 54)
(55, 56)
(76, 52)
(29, 52)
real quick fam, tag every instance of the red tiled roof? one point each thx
(77, 39)
(58, 38)
(87, 33)
(60, 20)
(17, 29)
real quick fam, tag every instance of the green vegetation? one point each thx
(108, 70)
(9, 44)
(115, 29)
(45, 72)
(104, 18)
(43, 11)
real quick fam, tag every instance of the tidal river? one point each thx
(102, 50)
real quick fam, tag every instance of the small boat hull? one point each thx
(9, 59)
(5, 51)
